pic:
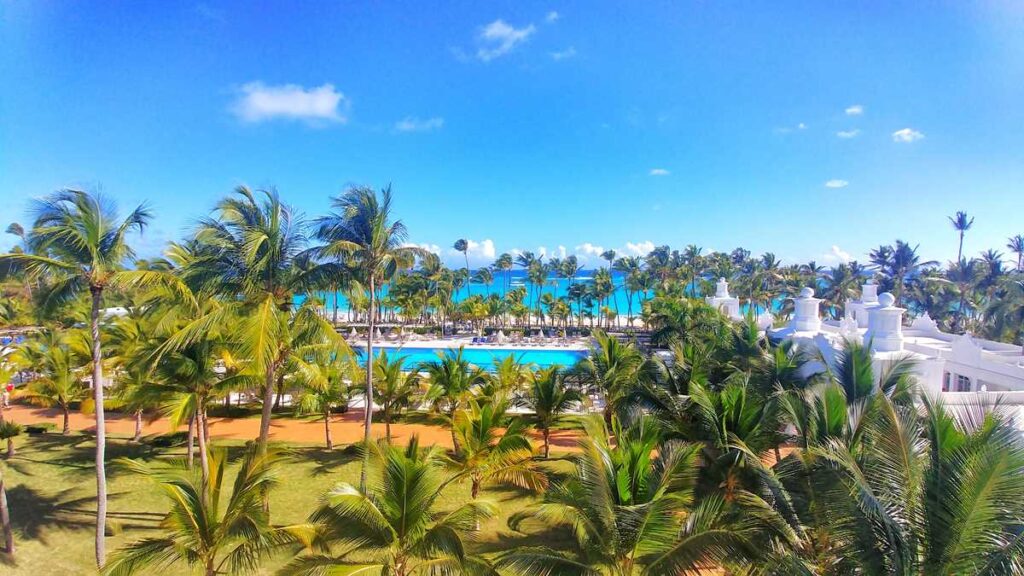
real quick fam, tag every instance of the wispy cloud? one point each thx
(552, 17)
(855, 110)
(258, 102)
(836, 183)
(413, 124)
(563, 54)
(848, 133)
(658, 172)
(906, 135)
(788, 129)
(499, 38)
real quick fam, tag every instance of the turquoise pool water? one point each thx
(484, 357)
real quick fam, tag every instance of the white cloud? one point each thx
(412, 124)
(789, 129)
(563, 54)
(499, 38)
(855, 110)
(259, 102)
(836, 183)
(906, 135)
(848, 133)
(658, 172)
(801, 126)
(552, 17)
(836, 256)
(587, 250)
(639, 248)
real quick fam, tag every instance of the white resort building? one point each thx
(945, 363)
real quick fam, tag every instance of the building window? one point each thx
(945, 381)
(963, 383)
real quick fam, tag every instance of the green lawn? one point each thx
(51, 491)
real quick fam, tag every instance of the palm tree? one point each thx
(396, 387)
(82, 246)
(394, 526)
(612, 368)
(58, 382)
(250, 254)
(200, 530)
(462, 245)
(504, 263)
(631, 510)
(961, 223)
(1016, 245)
(9, 430)
(324, 384)
(494, 447)
(548, 398)
(452, 379)
(361, 230)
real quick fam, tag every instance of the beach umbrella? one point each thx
(501, 336)
(353, 334)
(376, 333)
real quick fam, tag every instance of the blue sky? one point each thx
(816, 130)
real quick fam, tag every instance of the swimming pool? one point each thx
(483, 357)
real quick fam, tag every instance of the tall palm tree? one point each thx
(360, 228)
(504, 263)
(202, 531)
(961, 223)
(1016, 245)
(548, 398)
(249, 254)
(462, 245)
(394, 526)
(82, 246)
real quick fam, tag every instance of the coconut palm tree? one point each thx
(548, 398)
(360, 229)
(9, 430)
(504, 262)
(631, 510)
(326, 380)
(81, 245)
(57, 366)
(452, 379)
(396, 525)
(494, 447)
(462, 245)
(396, 387)
(961, 223)
(201, 530)
(250, 253)
(612, 368)
(1015, 244)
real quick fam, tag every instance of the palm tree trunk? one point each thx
(101, 430)
(387, 425)
(190, 448)
(10, 448)
(334, 318)
(67, 420)
(368, 398)
(547, 445)
(204, 462)
(268, 404)
(138, 426)
(5, 520)
(960, 250)
(327, 428)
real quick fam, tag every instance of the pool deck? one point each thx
(467, 341)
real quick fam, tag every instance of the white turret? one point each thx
(885, 325)
(723, 301)
(858, 309)
(805, 312)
